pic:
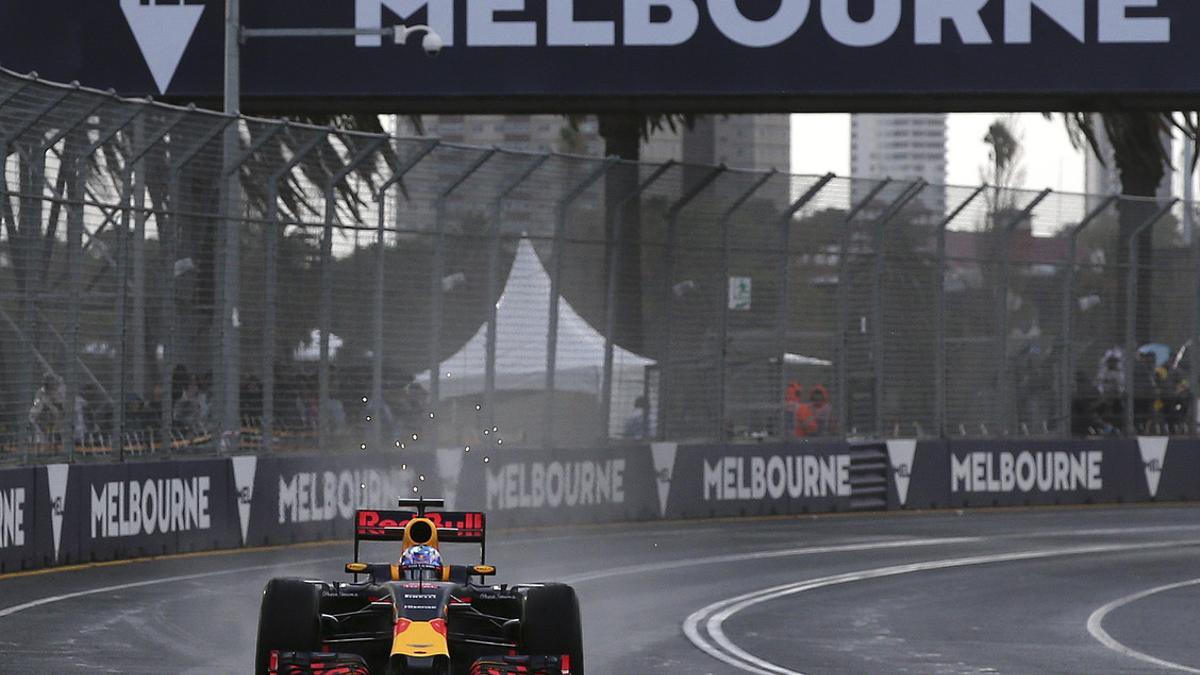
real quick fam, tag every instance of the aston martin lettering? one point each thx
(1000, 472)
(774, 477)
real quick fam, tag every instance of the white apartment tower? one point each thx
(903, 147)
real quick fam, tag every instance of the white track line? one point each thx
(763, 555)
(1096, 628)
(713, 616)
(9, 611)
(868, 546)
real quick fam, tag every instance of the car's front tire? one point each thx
(550, 624)
(289, 620)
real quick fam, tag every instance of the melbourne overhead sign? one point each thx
(581, 53)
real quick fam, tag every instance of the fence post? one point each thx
(325, 313)
(1067, 377)
(782, 318)
(723, 317)
(939, 407)
(69, 195)
(1131, 294)
(1194, 343)
(377, 406)
(437, 291)
(25, 245)
(169, 240)
(843, 300)
(1003, 399)
(139, 267)
(666, 369)
(272, 231)
(612, 280)
(879, 237)
(556, 257)
(75, 254)
(493, 287)
(120, 373)
(229, 368)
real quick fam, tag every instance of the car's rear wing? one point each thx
(453, 527)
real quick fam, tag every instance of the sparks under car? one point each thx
(418, 615)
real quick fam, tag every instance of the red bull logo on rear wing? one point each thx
(454, 527)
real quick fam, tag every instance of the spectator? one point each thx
(251, 397)
(47, 415)
(822, 411)
(1110, 386)
(179, 381)
(805, 420)
(192, 408)
(635, 424)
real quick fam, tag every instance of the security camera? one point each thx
(432, 44)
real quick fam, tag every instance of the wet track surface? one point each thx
(1066, 591)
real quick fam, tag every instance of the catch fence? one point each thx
(194, 282)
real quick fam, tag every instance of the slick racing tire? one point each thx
(550, 624)
(289, 620)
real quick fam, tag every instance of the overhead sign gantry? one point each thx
(591, 55)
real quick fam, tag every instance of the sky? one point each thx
(821, 143)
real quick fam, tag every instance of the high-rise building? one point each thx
(533, 133)
(902, 147)
(759, 142)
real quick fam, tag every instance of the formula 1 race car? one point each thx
(418, 616)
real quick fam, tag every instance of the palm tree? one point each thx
(1004, 171)
(623, 134)
(1142, 159)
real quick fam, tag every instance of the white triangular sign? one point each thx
(244, 469)
(664, 464)
(162, 33)
(1154, 453)
(900, 454)
(56, 482)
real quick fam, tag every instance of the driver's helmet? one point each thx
(421, 563)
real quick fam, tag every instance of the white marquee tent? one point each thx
(522, 324)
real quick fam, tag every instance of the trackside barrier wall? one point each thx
(956, 474)
(64, 514)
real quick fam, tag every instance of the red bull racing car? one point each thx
(419, 615)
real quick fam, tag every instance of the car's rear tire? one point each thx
(289, 619)
(550, 624)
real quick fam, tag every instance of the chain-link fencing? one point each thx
(174, 281)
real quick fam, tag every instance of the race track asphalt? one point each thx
(1093, 590)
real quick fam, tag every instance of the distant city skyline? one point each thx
(820, 143)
